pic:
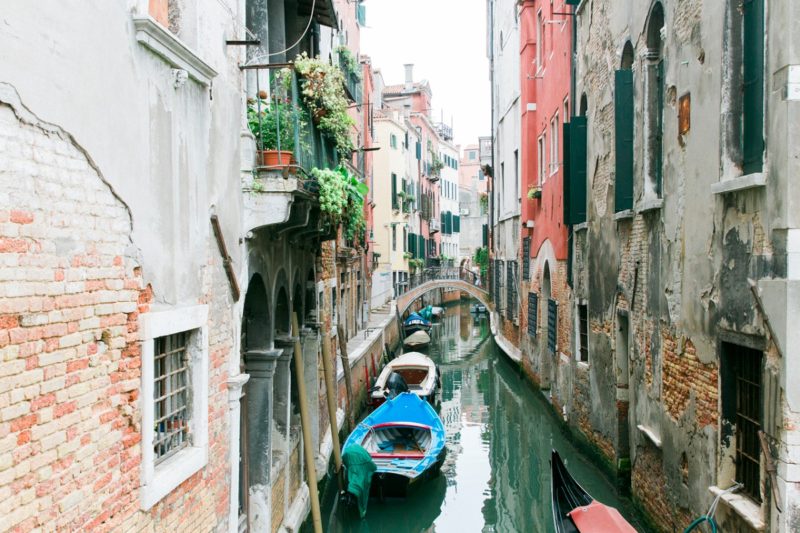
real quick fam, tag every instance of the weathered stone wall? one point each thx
(72, 292)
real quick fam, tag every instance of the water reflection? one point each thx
(496, 476)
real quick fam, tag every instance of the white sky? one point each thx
(446, 41)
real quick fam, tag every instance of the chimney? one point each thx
(409, 75)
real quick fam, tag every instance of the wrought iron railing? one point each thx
(443, 273)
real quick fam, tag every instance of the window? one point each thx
(395, 199)
(540, 156)
(171, 395)
(526, 258)
(654, 87)
(472, 155)
(394, 238)
(583, 333)
(174, 399)
(511, 290)
(539, 41)
(741, 406)
(405, 239)
(554, 158)
(393, 140)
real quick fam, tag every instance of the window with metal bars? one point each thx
(171, 395)
(526, 258)
(511, 290)
(742, 405)
(583, 333)
(552, 325)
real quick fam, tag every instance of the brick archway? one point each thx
(405, 300)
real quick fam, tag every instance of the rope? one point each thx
(709, 516)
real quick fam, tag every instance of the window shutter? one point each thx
(456, 224)
(533, 310)
(567, 172)
(753, 97)
(486, 235)
(361, 14)
(412, 244)
(419, 150)
(394, 191)
(623, 138)
(421, 247)
(573, 2)
(577, 188)
(511, 290)
(552, 325)
(526, 258)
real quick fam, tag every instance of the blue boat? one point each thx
(406, 440)
(415, 322)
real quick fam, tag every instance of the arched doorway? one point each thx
(545, 353)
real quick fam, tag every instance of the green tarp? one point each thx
(359, 474)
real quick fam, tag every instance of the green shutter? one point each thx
(419, 150)
(394, 191)
(573, 2)
(457, 224)
(623, 138)
(420, 247)
(412, 243)
(486, 235)
(361, 14)
(753, 94)
(577, 191)
(533, 311)
(552, 325)
(565, 145)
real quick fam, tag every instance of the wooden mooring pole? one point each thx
(348, 382)
(330, 393)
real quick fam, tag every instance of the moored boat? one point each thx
(418, 339)
(405, 439)
(413, 372)
(477, 309)
(415, 322)
(574, 509)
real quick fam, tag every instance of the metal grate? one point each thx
(170, 394)
(552, 324)
(583, 319)
(511, 290)
(748, 422)
(526, 258)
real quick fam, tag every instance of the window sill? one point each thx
(164, 44)
(743, 506)
(580, 227)
(171, 473)
(651, 435)
(741, 183)
(625, 214)
(650, 205)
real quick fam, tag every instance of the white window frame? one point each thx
(541, 174)
(554, 159)
(159, 480)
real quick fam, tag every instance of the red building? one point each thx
(545, 50)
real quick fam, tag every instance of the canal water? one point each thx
(496, 476)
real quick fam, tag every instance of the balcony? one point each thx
(435, 225)
(352, 77)
(283, 193)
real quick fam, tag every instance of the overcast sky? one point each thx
(446, 41)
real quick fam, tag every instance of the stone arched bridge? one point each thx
(440, 280)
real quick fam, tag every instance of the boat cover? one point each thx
(418, 338)
(599, 518)
(426, 313)
(359, 474)
(415, 319)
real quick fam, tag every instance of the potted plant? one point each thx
(534, 192)
(272, 122)
(341, 199)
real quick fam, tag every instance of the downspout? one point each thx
(490, 228)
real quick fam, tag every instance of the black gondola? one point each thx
(575, 511)
(567, 495)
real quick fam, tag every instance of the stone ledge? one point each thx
(650, 205)
(172, 50)
(650, 434)
(625, 214)
(580, 227)
(741, 183)
(743, 506)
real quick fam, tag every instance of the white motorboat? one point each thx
(417, 373)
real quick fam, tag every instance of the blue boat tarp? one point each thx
(405, 410)
(426, 313)
(414, 319)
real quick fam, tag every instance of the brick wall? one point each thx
(70, 298)
(685, 377)
(650, 491)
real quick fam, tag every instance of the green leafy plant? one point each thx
(341, 199)
(407, 255)
(436, 164)
(481, 259)
(273, 122)
(416, 263)
(349, 61)
(534, 192)
(322, 90)
(484, 200)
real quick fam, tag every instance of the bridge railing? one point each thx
(439, 273)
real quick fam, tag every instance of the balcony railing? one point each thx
(352, 81)
(435, 225)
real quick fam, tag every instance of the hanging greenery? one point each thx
(349, 61)
(322, 90)
(482, 259)
(341, 200)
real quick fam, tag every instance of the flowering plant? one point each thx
(322, 89)
(341, 198)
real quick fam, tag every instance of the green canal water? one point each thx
(496, 476)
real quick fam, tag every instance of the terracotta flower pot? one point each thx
(275, 158)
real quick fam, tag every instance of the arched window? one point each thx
(584, 108)
(654, 103)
